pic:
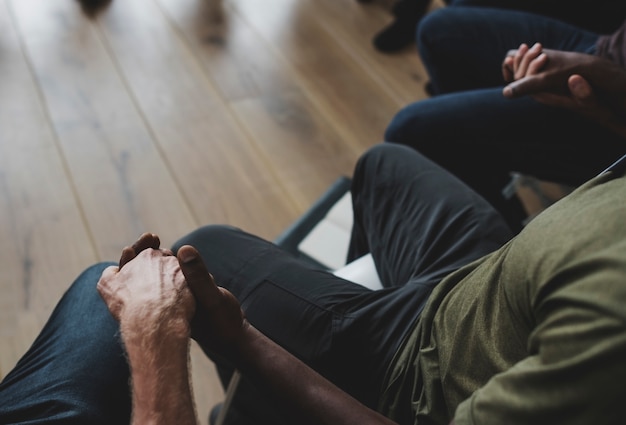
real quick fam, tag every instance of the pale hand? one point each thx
(148, 292)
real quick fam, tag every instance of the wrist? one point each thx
(237, 347)
(160, 378)
(152, 325)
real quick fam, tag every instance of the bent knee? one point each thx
(211, 233)
(409, 125)
(443, 24)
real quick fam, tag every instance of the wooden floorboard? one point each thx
(154, 117)
(44, 239)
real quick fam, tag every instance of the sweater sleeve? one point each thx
(575, 372)
(613, 46)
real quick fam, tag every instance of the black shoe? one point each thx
(397, 36)
(92, 8)
(401, 32)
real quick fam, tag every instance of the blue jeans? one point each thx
(473, 131)
(76, 371)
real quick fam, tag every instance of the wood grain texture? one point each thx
(154, 117)
(44, 239)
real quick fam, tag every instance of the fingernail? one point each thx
(187, 255)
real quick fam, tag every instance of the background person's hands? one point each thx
(591, 86)
(535, 70)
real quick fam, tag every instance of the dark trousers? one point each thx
(419, 222)
(601, 16)
(473, 131)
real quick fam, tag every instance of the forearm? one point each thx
(305, 396)
(160, 379)
(149, 297)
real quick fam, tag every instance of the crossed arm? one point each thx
(589, 85)
(154, 294)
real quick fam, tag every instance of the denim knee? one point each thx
(75, 371)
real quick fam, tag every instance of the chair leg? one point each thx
(230, 393)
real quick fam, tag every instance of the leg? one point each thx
(76, 370)
(419, 222)
(304, 309)
(481, 137)
(463, 47)
(344, 331)
(601, 16)
(400, 33)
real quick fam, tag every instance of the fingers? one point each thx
(523, 61)
(580, 89)
(127, 254)
(518, 88)
(106, 292)
(508, 71)
(517, 59)
(197, 276)
(524, 57)
(511, 53)
(145, 241)
(508, 65)
(585, 98)
(537, 64)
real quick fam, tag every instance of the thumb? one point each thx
(198, 278)
(522, 87)
(580, 89)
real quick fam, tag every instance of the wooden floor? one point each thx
(153, 117)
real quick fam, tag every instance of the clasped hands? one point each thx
(154, 294)
(589, 85)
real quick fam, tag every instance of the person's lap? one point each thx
(463, 47)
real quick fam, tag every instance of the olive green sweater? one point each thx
(534, 333)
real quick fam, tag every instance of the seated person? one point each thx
(470, 327)
(598, 16)
(481, 136)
